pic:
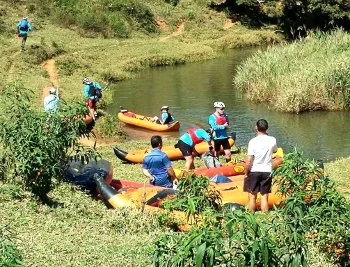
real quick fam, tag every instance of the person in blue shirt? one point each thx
(157, 166)
(22, 29)
(93, 93)
(219, 122)
(187, 143)
(51, 101)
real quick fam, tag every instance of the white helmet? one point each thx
(219, 105)
(164, 108)
(86, 80)
(52, 91)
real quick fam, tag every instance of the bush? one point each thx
(110, 126)
(9, 254)
(37, 146)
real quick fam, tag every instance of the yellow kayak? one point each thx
(146, 122)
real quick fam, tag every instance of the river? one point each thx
(190, 90)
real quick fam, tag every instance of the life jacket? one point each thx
(168, 119)
(194, 137)
(220, 120)
(23, 26)
(94, 91)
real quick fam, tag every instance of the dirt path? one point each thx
(50, 66)
(12, 66)
(180, 30)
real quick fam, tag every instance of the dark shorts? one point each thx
(258, 182)
(185, 149)
(221, 142)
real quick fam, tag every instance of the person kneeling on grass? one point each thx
(258, 177)
(188, 141)
(157, 166)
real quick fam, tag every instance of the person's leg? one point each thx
(228, 155)
(24, 39)
(265, 189)
(265, 203)
(227, 149)
(252, 201)
(189, 162)
(217, 146)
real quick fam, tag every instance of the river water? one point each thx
(191, 89)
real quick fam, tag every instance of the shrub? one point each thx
(9, 254)
(110, 126)
(67, 66)
(37, 146)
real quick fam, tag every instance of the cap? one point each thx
(25, 18)
(164, 107)
(53, 91)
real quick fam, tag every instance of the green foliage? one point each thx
(67, 66)
(282, 77)
(105, 17)
(110, 126)
(37, 146)
(195, 196)
(313, 206)
(37, 53)
(9, 254)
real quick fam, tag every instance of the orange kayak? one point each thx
(230, 169)
(146, 122)
(148, 197)
(134, 194)
(172, 152)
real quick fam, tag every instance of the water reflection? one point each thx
(191, 89)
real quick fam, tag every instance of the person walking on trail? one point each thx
(22, 29)
(93, 93)
(51, 101)
(187, 143)
(219, 122)
(258, 177)
(157, 166)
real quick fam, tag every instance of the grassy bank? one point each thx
(180, 38)
(79, 231)
(311, 74)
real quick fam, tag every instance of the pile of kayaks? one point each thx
(137, 120)
(173, 153)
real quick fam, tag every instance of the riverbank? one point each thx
(308, 74)
(79, 231)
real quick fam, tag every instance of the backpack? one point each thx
(23, 26)
(210, 161)
(94, 91)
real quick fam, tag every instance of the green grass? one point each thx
(79, 231)
(311, 74)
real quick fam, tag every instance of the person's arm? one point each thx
(29, 27)
(249, 162)
(86, 91)
(148, 174)
(164, 117)
(172, 175)
(274, 148)
(98, 86)
(213, 125)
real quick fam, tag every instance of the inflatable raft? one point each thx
(172, 152)
(229, 169)
(134, 194)
(146, 122)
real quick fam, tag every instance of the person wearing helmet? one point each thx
(22, 30)
(93, 93)
(166, 117)
(51, 101)
(187, 143)
(219, 122)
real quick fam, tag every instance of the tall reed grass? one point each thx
(310, 74)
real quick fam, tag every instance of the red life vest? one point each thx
(194, 137)
(220, 120)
